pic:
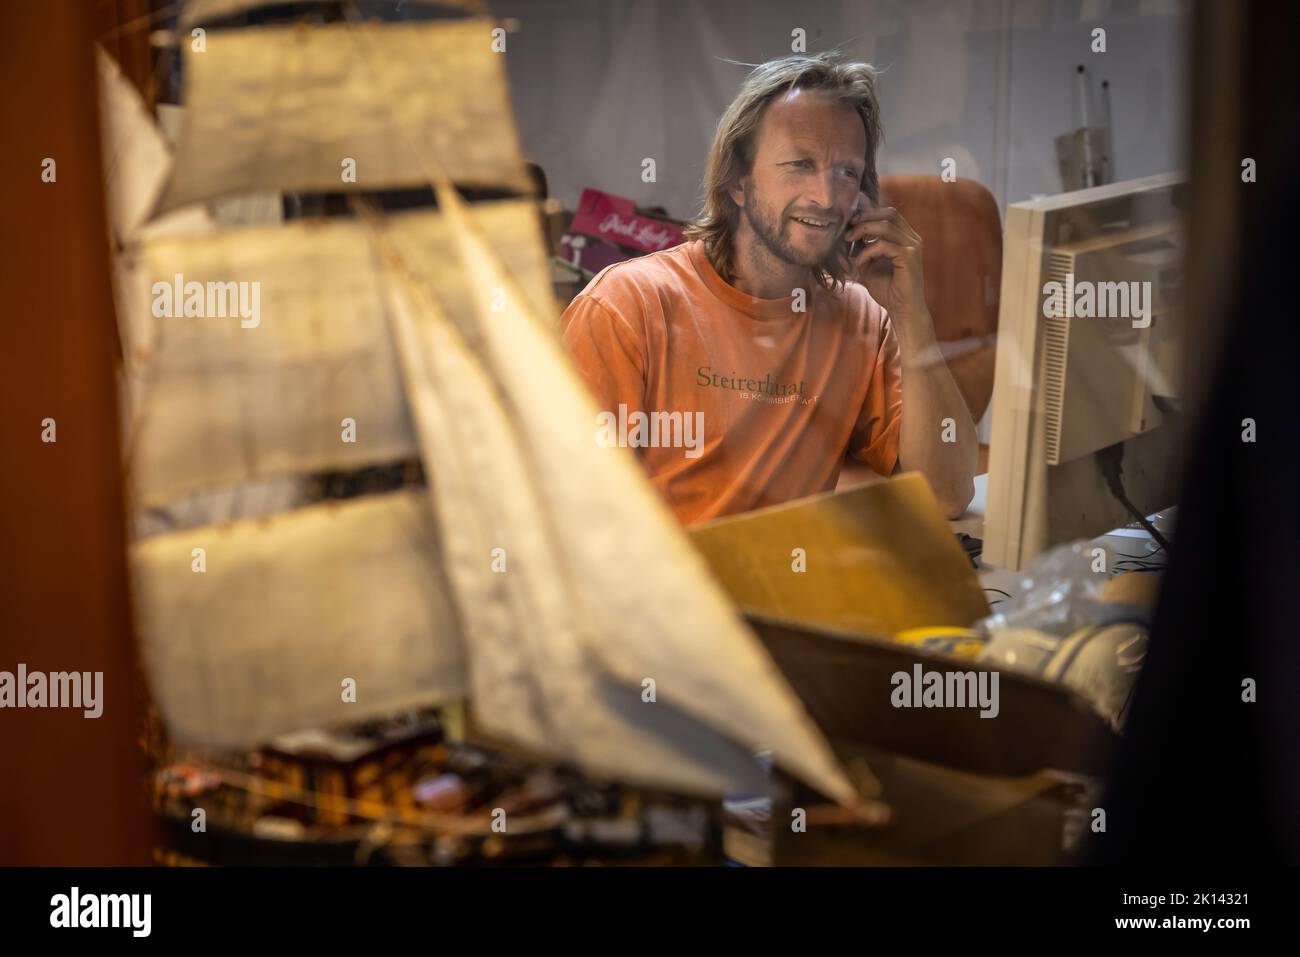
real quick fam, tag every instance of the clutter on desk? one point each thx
(1071, 623)
(887, 589)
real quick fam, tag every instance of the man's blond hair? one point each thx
(734, 146)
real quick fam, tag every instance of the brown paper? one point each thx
(877, 559)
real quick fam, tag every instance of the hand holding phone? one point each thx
(851, 249)
(892, 268)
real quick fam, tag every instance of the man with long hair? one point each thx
(792, 325)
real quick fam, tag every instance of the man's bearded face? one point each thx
(788, 239)
(805, 177)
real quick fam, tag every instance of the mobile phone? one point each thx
(852, 249)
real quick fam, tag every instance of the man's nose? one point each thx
(822, 192)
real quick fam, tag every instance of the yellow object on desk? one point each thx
(945, 640)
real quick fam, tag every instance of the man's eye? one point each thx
(802, 164)
(850, 172)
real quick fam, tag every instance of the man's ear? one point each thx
(737, 192)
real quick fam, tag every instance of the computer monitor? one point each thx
(1086, 400)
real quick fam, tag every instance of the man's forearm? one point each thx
(938, 438)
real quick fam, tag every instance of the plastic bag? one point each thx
(1057, 594)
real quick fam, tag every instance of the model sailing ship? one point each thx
(533, 577)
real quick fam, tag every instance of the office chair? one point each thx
(962, 256)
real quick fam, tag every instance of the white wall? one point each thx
(599, 85)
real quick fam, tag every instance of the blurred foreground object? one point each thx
(72, 787)
(1219, 690)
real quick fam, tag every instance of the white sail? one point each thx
(532, 681)
(222, 401)
(298, 110)
(286, 609)
(136, 161)
(228, 399)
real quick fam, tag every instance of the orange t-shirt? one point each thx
(779, 396)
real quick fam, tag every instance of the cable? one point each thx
(1110, 460)
(1141, 558)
